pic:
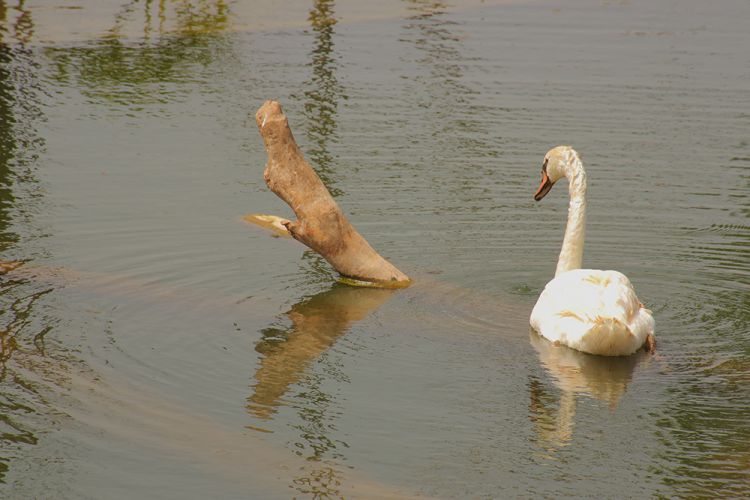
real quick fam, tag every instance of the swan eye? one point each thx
(544, 165)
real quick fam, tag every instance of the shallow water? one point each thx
(153, 345)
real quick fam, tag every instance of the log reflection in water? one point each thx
(317, 323)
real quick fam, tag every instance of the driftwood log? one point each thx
(320, 224)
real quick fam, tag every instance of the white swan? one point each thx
(589, 310)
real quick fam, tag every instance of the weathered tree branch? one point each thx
(320, 224)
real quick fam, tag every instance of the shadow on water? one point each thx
(288, 353)
(575, 374)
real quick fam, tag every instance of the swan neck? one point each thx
(571, 254)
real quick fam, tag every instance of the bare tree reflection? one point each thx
(190, 17)
(323, 92)
(574, 373)
(288, 353)
(16, 21)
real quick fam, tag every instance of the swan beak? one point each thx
(544, 187)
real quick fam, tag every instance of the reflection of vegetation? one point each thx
(15, 66)
(323, 92)
(202, 17)
(7, 147)
(14, 318)
(22, 332)
(126, 72)
(112, 70)
(26, 367)
(19, 24)
(322, 482)
(317, 323)
(189, 17)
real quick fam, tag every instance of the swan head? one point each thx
(559, 162)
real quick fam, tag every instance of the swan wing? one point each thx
(592, 311)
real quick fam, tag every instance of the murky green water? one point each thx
(155, 346)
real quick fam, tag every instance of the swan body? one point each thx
(593, 311)
(589, 310)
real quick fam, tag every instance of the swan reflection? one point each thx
(605, 378)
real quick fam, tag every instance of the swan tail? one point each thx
(610, 337)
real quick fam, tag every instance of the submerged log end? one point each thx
(373, 271)
(277, 225)
(393, 283)
(320, 224)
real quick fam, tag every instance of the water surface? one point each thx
(153, 345)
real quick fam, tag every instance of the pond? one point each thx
(154, 345)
